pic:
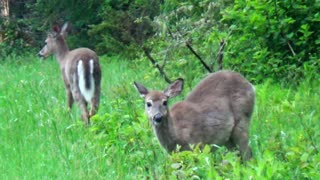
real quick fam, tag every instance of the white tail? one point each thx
(217, 111)
(86, 86)
(80, 71)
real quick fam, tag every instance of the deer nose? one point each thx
(157, 118)
(39, 54)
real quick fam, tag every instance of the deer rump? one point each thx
(84, 77)
(219, 103)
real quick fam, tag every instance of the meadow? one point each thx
(40, 139)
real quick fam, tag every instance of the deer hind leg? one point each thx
(85, 114)
(242, 111)
(240, 135)
(240, 138)
(82, 104)
(94, 106)
(69, 95)
(95, 102)
(69, 98)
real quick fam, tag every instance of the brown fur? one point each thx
(68, 61)
(217, 111)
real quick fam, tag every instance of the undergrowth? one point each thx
(40, 139)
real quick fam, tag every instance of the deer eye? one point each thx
(149, 104)
(165, 103)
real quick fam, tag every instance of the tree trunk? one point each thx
(4, 5)
(4, 10)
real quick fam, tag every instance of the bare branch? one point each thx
(154, 63)
(291, 49)
(220, 54)
(200, 59)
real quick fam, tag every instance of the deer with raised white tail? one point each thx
(80, 71)
(216, 112)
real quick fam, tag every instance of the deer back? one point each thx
(212, 109)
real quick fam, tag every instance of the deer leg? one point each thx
(240, 138)
(95, 101)
(69, 99)
(85, 114)
(94, 106)
(82, 104)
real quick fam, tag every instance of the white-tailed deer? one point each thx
(80, 71)
(217, 111)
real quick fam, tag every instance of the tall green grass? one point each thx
(40, 139)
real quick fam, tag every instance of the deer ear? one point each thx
(174, 89)
(141, 89)
(56, 28)
(65, 29)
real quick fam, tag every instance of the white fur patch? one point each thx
(86, 93)
(91, 66)
(254, 89)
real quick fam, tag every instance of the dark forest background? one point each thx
(268, 38)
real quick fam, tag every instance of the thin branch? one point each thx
(200, 59)
(220, 54)
(309, 136)
(154, 63)
(166, 52)
(291, 49)
(281, 31)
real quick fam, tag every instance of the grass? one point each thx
(40, 139)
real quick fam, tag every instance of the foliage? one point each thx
(44, 14)
(16, 38)
(274, 39)
(269, 38)
(277, 39)
(124, 27)
(181, 22)
(109, 27)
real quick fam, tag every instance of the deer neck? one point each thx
(62, 52)
(165, 134)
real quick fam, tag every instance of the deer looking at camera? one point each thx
(80, 70)
(217, 111)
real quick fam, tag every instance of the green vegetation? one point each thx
(40, 139)
(267, 38)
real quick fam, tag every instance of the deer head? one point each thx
(156, 102)
(55, 41)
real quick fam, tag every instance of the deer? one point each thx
(217, 113)
(80, 71)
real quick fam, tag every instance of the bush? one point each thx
(264, 39)
(273, 39)
(124, 27)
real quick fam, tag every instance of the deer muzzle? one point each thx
(40, 55)
(157, 118)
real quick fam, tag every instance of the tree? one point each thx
(125, 26)
(4, 5)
